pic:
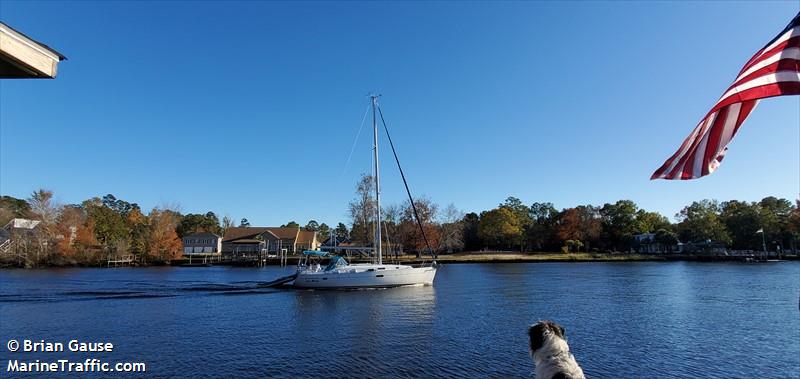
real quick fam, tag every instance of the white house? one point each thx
(202, 243)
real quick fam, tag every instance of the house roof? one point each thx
(24, 57)
(250, 232)
(285, 233)
(22, 223)
(60, 56)
(305, 236)
(202, 235)
(236, 233)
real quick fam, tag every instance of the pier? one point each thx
(120, 261)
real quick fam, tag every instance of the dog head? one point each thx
(543, 331)
(550, 352)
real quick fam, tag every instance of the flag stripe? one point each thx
(730, 126)
(784, 61)
(790, 31)
(747, 107)
(794, 41)
(691, 146)
(670, 164)
(692, 164)
(710, 150)
(736, 93)
(736, 116)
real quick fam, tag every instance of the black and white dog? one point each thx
(550, 352)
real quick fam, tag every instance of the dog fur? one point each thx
(550, 352)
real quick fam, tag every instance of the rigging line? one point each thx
(353, 147)
(405, 183)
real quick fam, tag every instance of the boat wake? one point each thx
(134, 290)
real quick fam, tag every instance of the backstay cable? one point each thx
(405, 183)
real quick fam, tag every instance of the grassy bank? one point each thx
(468, 257)
(503, 257)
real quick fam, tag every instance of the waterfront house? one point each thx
(18, 227)
(646, 243)
(306, 240)
(202, 243)
(250, 240)
(18, 230)
(707, 247)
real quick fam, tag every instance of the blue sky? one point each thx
(250, 109)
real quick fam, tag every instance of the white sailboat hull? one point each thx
(366, 276)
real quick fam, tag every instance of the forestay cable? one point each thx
(353, 147)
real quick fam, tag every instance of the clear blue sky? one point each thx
(250, 109)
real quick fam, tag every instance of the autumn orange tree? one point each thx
(410, 234)
(76, 239)
(581, 224)
(67, 227)
(163, 242)
(139, 228)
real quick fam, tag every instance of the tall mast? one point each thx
(377, 183)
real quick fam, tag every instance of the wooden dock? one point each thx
(120, 261)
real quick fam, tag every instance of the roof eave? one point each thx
(25, 57)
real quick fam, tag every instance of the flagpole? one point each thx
(763, 242)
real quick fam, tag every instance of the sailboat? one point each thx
(339, 273)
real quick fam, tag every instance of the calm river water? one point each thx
(633, 320)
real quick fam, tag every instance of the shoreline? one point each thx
(459, 258)
(467, 258)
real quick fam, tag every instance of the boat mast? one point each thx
(377, 182)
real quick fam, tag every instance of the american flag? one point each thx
(772, 71)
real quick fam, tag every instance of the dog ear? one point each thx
(536, 335)
(563, 331)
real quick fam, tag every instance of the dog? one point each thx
(550, 352)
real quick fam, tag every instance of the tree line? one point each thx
(611, 227)
(89, 232)
(101, 227)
